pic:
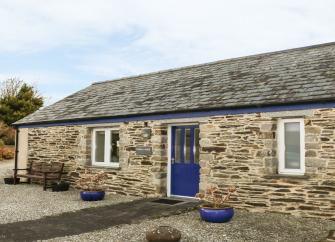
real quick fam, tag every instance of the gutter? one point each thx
(184, 113)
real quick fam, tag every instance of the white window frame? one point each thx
(281, 147)
(108, 147)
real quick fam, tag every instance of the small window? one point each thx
(114, 148)
(105, 147)
(291, 146)
(99, 146)
(187, 146)
(177, 146)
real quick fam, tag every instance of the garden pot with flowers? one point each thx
(92, 185)
(214, 208)
(9, 178)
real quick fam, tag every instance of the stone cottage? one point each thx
(264, 123)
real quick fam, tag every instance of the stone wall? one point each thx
(238, 150)
(137, 175)
(241, 150)
(66, 144)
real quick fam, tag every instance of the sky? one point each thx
(62, 46)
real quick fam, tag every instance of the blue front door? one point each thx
(185, 167)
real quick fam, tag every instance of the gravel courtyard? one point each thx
(245, 226)
(28, 202)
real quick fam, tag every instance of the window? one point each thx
(196, 145)
(187, 149)
(105, 147)
(185, 142)
(291, 146)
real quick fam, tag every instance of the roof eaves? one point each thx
(175, 112)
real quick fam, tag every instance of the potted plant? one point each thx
(214, 208)
(60, 186)
(92, 186)
(9, 179)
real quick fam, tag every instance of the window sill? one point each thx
(292, 176)
(103, 167)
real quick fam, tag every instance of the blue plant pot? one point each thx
(216, 215)
(92, 196)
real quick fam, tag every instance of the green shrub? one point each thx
(17, 100)
(7, 134)
(7, 153)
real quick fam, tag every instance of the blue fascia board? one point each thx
(194, 114)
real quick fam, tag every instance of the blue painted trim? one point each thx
(194, 114)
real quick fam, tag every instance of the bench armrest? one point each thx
(22, 169)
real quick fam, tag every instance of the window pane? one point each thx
(292, 145)
(99, 146)
(187, 148)
(196, 145)
(114, 147)
(177, 146)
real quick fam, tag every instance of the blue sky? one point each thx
(62, 46)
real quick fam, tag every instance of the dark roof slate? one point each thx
(290, 76)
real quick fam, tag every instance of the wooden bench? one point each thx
(41, 171)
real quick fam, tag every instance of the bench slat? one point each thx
(43, 171)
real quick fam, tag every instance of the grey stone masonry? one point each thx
(138, 174)
(239, 150)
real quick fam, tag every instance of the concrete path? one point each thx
(6, 166)
(90, 219)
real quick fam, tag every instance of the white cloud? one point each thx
(33, 25)
(117, 38)
(177, 26)
(188, 32)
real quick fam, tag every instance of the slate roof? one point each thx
(291, 76)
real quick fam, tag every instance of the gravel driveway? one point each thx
(245, 226)
(27, 202)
